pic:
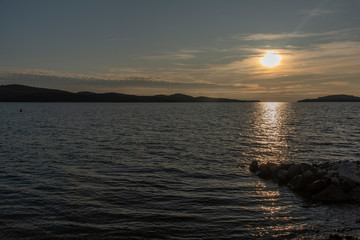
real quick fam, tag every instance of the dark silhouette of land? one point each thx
(21, 93)
(334, 98)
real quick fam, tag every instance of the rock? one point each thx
(332, 173)
(335, 180)
(308, 177)
(333, 194)
(326, 182)
(293, 171)
(295, 183)
(267, 170)
(264, 172)
(349, 175)
(300, 182)
(273, 170)
(355, 193)
(317, 186)
(305, 167)
(281, 175)
(320, 173)
(346, 185)
(254, 166)
(325, 165)
(285, 166)
(335, 237)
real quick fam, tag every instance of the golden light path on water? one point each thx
(273, 129)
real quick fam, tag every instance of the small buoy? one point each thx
(20, 109)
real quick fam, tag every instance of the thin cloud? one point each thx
(171, 56)
(270, 36)
(85, 83)
(315, 12)
(335, 83)
(326, 62)
(178, 55)
(341, 33)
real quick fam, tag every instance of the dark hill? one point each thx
(334, 98)
(21, 93)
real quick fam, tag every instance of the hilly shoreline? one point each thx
(333, 98)
(22, 93)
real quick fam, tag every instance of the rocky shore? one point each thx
(326, 182)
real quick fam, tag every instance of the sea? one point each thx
(169, 170)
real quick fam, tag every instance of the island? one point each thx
(22, 93)
(334, 98)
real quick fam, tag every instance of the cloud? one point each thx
(348, 33)
(332, 63)
(336, 83)
(315, 12)
(171, 56)
(178, 55)
(125, 85)
(262, 36)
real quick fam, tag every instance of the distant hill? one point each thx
(334, 98)
(21, 93)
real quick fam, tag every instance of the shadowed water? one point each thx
(169, 170)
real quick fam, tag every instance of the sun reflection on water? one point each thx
(272, 131)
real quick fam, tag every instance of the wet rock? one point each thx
(332, 193)
(264, 172)
(332, 173)
(285, 166)
(295, 183)
(335, 180)
(335, 237)
(320, 173)
(281, 175)
(324, 165)
(273, 170)
(294, 170)
(349, 175)
(300, 182)
(317, 186)
(346, 185)
(355, 193)
(308, 177)
(330, 182)
(254, 166)
(306, 167)
(268, 170)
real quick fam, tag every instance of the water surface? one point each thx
(168, 170)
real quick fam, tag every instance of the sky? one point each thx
(198, 47)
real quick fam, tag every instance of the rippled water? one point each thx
(168, 170)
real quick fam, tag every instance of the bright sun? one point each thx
(271, 59)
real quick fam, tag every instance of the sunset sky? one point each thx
(197, 47)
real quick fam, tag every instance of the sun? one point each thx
(271, 59)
